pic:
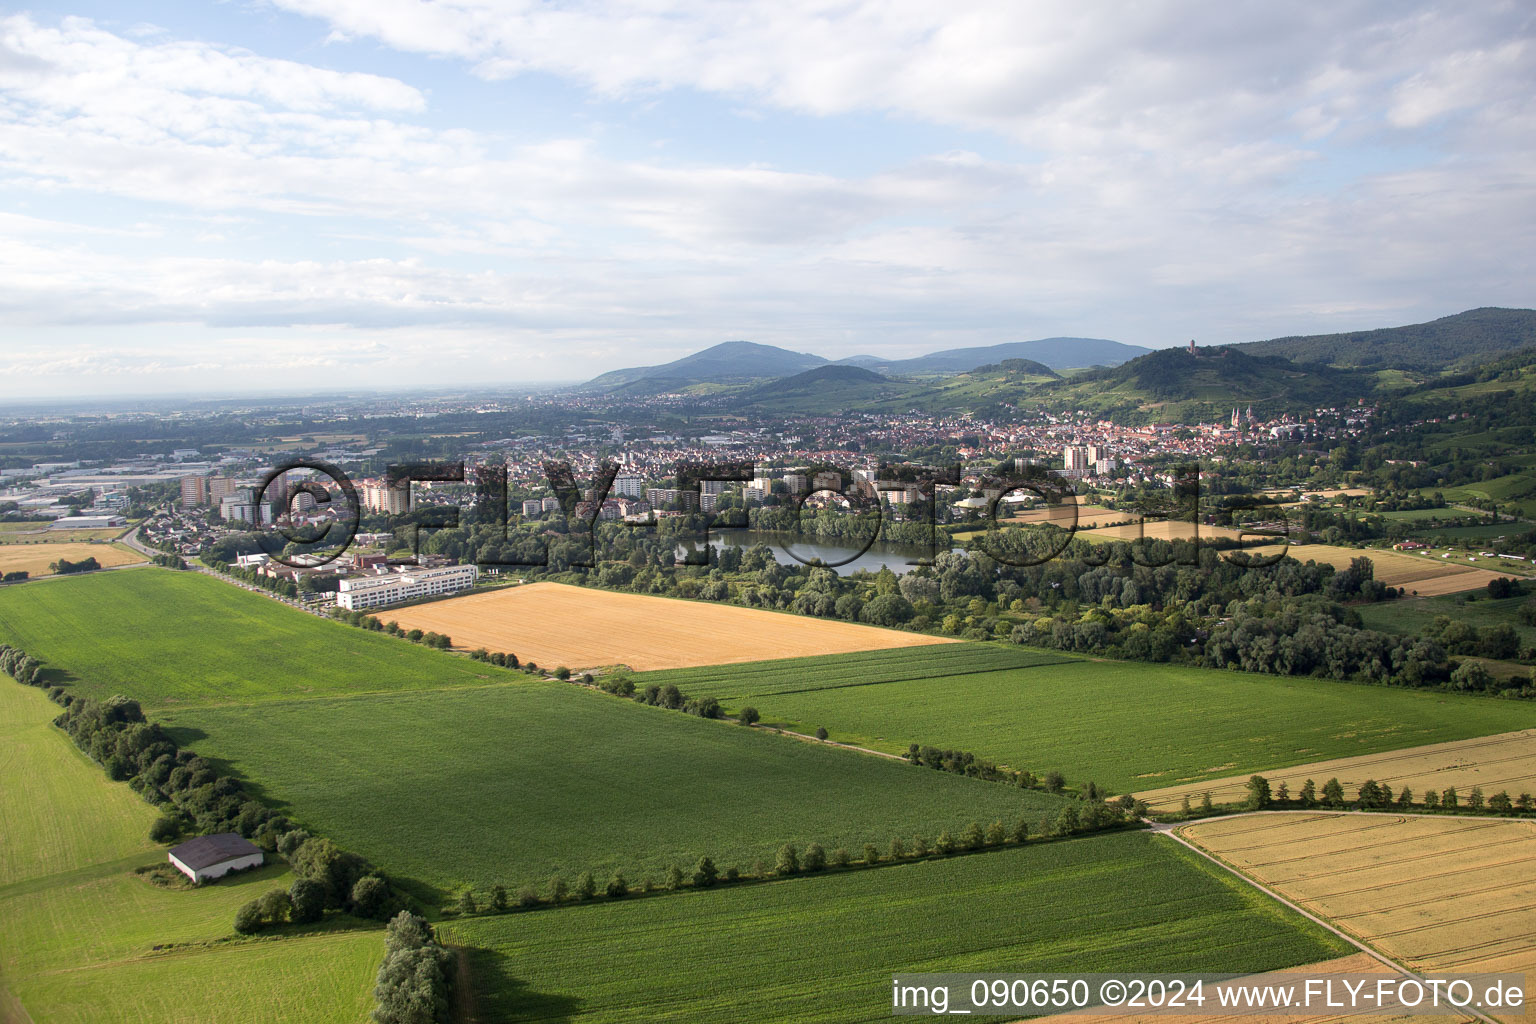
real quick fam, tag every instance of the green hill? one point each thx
(1172, 384)
(1462, 339)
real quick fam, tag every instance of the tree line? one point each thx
(1371, 795)
(1074, 817)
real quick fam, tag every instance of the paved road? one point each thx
(132, 540)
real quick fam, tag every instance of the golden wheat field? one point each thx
(556, 624)
(1425, 576)
(35, 558)
(1506, 762)
(1433, 893)
(1359, 963)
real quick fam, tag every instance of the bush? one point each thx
(248, 919)
(749, 716)
(586, 886)
(370, 897)
(498, 898)
(164, 829)
(527, 897)
(788, 862)
(815, 858)
(821, 732)
(308, 899)
(840, 857)
(562, 673)
(617, 887)
(705, 874)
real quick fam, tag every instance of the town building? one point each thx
(194, 491)
(107, 522)
(392, 588)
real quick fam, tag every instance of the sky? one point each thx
(258, 195)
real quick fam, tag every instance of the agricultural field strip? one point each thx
(812, 946)
(1402, 765)
(560, 624)
(1427, 931)
(787, 676)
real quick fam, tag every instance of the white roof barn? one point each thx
(209, 857)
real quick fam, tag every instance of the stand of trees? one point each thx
(414, 983)
(64, 567)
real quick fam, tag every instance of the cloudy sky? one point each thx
(393, 193)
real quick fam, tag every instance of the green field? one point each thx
(1116, 723)
(447, 771)
(1414, 615)
(825, 948)
(80, 928)
(178, 638)
(509, 783)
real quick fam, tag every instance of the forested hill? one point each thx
(1172, 384)
(1463, 339)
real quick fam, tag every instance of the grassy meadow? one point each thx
(1411, 616)
(1120, 724)
(80, 927)
(824, 948)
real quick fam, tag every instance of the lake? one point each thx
(899, 557)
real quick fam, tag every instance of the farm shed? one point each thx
(209, 857)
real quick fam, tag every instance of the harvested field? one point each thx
(1424, 576)
(555, 624)
(35, 558)
(1434, 893)
(1359, 963)
(46, 536)
(1503, 762)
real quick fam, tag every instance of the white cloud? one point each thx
(1159, 170)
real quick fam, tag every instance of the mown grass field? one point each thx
(80, 928)
(1123, 725)
(42, 772)
(824, 948)
(511, 783)
(169, 638)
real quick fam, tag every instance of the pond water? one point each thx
(899, 557)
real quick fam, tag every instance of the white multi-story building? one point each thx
(1074, 459)
(392, 588)
(551, 504)
(533, 507)
(628, 486)
(240, 506)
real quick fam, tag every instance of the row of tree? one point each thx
(1373, 795)
(1072, 818)
(363, 620)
